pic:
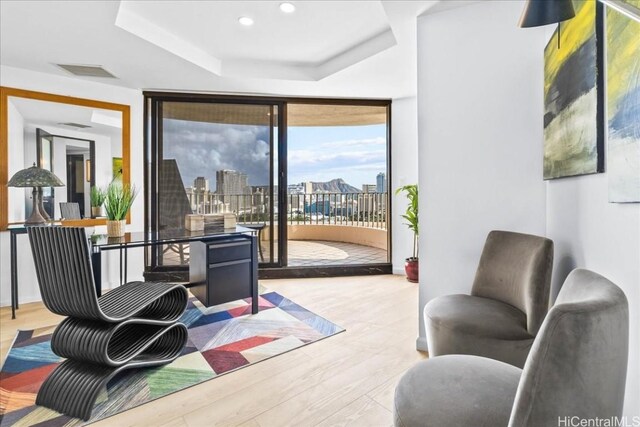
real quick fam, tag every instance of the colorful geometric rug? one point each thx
(221, 339)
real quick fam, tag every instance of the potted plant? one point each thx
(97, 197)
(411, 216)
(118, 201)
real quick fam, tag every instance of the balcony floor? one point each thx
(307, 253)
(314, 253)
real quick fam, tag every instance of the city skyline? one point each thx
(355, 154)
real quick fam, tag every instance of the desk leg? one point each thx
(254, 278)
(96, 262)
(120, 256)
(126, 257)
(14, 276)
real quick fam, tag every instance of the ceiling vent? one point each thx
(86, 70)
(75, 125)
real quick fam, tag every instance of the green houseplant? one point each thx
(411, 266)
(97, 197)
(118, 200)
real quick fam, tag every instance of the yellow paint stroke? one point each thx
(623, 56)
(573, 34)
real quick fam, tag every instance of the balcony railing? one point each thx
(353, 209)
(350, 209)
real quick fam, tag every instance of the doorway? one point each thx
(214, 158)
(249, 155)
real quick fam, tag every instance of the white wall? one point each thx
(604, 237)
(25, 79)
(404, 171)
(480, 133)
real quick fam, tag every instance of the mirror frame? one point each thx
(5, 93)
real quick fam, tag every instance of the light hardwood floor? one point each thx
(347, 379)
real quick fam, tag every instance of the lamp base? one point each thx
(35, 218)
(41, 208)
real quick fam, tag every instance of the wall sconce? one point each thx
(87, 172)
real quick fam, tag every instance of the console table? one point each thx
(101, 242)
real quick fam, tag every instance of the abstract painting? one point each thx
(573, 116)
(623, 105)
(117, 167)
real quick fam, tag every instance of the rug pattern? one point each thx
(221, 339)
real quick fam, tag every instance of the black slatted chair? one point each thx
(70, 210)
(132, 326)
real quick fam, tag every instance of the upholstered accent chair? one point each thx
(508, 302)
(133, 326)
(577, 367)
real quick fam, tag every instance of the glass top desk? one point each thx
(101, 242)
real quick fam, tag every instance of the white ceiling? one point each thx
(44, 113)
(324, 48)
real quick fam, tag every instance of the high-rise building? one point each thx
(381, 183)
(230, 186)
(301, 188)
(201, 184)
(369, 188)
(231, 182)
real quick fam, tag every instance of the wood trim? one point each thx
(4, 158)
(6, 92)
(254, 99)
(86, 222)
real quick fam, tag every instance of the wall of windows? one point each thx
(310, 176)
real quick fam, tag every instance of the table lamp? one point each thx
(35, 177)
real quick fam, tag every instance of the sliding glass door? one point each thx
(337, 195)
(215, 158)
(310, 176)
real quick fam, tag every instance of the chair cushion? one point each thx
(456, 390)
(477, 316)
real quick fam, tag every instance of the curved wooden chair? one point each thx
(129, 327)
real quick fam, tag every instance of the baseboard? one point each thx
(421, 344)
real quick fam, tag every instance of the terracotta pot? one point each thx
(97, 211)
(411, 269)
(116, 228)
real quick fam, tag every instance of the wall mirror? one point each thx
(84, 142)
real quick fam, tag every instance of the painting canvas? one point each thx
(573, 119)
(623, 105)
(117, 167)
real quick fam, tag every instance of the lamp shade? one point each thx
(34, 177)
(542, 12)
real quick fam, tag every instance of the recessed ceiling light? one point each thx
(245, 20)
(287, 7)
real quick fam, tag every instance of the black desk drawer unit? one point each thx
(223, 270)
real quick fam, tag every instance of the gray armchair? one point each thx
(577, 367)
(507, 305)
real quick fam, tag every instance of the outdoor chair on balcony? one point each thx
(577, 368)
(132, 326)
(508, 302)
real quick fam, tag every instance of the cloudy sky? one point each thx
(201, 149)
(356, 153)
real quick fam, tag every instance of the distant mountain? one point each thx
(335, 186)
